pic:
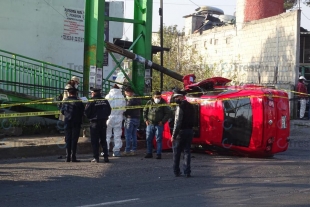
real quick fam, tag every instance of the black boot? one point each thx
(68, 156)
(74, 159)
(158, 156)
(74, 146)
(148, 155)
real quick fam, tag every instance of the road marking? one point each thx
(110, 203)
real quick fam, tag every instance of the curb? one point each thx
(52, 150)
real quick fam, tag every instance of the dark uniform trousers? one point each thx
(98, 130)
(72, 135)
(182, 143)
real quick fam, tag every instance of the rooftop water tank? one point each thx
(259, 9)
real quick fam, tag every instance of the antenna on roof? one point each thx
(194, 3)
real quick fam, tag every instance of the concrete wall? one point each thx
(263, 51)
(51, 30)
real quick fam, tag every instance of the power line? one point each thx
(54, 9)
(304, 15)
(194, 3)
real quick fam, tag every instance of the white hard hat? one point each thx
(302, 77)
(75, 79)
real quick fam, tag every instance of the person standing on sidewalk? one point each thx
(155, 114)
(65, 95)
(98, 111)
(303, 96)
(132, 121)
(73, 114)
(182, 134)
(118, 103)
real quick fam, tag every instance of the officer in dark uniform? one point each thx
(73, 113)
(98, 111)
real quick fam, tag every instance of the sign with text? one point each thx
(92, 76)
(73, 25)
(99, 78)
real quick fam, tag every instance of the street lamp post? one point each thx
(161, 13)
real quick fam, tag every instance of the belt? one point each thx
(133, 117)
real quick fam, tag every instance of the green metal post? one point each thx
(142, 12)
(43, 82)
(7, 74)
(93, 38)
(1, 74)
(14, 75)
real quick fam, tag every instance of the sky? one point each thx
(174, 10)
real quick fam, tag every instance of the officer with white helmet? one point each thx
(303, 96)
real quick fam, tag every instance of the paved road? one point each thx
(134, 181)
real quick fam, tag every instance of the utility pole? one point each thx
(93, 39)
(161, 13)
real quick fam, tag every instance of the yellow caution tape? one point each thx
(42, 113)
(39, 102)
(198, 100)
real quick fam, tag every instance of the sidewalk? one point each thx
(36, 146)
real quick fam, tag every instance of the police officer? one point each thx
(98, 112)
(73, 114)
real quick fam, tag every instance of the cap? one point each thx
(128, 89)
(302, 77)
(75, 79)
(115, 86)
(156, 93)
(178, 93)
(95, 89)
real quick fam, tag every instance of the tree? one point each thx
(182, 58)
(288, 4)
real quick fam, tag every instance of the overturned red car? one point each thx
(249, 120)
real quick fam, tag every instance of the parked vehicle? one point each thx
(249, 120)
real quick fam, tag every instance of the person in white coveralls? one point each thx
(118, 104)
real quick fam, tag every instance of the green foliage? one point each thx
(37, 126)
(289, 4)
(14, 122)
(182, 58)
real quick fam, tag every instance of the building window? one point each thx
(211, 41)
(228, 40)
(216, 41)
(205, 44)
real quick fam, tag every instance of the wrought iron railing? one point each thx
(35, 78)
